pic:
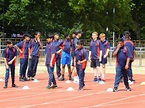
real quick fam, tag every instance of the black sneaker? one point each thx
(115, 90)
(21, 79)
(14, 85)
(128, 89)
(49, 87)
(80, 88)
(71, 79)
(5, 87)
(95, 80)
(54, 86)
(99, 79)
(25, 79)
(61, 79)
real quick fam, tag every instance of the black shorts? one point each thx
(104, 60)
(95, 63)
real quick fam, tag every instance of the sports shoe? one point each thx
(128, 89)
(32, 78)
(49, 87)
(80, 88)
(5, 87)
(95, 80)
(21, 79)
(130, 82)
(25, 79)
(54, 86)
(99, 79)
(14, 85)
(71, 79)
(28, 79)
(61, 79)
(115, 89)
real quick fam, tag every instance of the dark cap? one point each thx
(80, 42)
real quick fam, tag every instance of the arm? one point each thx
(40, 43)
(107, 52)
(18, 49)
(58, 52)
(74, 61)
(52, 57)
(85, 58)
(10, 62)
(41, 46)
(6, 65)
(90, 55)
(100, 58)
(127, 63)
(116, 51)
(129, 56)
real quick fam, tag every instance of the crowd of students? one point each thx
(69, 52)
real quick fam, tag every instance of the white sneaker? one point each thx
(76, 80)
(32, 78)
(130, 82)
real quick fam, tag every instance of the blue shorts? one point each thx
(104, 60)
(66, 58)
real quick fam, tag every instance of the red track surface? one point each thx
(93, 96)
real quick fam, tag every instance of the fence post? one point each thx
(110, 58)
(140, 60)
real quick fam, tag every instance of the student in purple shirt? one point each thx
(34, 54)
(123, 56)
(9, 55)
(131, 47)
(105, 50)
(80, 61)
(50, 51)
(95, 56)
(66, 56)
(76, 36)
(58, 56)
(23, 48)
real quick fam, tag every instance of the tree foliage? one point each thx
(48, 16)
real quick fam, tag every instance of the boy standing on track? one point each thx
(123, 56)
(95, 55)
(131, 47)
(35, 45)
(105, 50)
(23, 48)
(50, 51)
(80, 61)
(9, 55)
(66, 57)
(58, 56)
(77, 36)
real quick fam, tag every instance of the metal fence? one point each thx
(139, 57)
